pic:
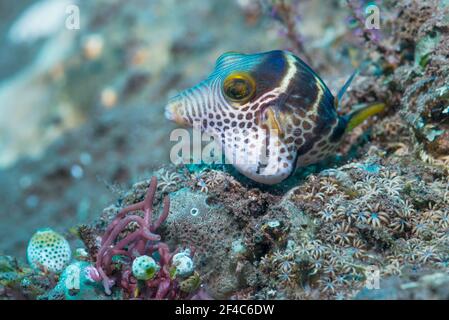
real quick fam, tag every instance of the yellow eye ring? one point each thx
(239, 87)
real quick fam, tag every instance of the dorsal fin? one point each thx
(344, 89)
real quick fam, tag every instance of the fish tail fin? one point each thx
(345, 88)
(359, 115)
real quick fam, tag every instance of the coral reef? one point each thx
(411, 75)
(322, 237)
(209, 228)
(140, 243)
(362, 215)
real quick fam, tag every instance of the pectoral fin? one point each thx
(272, 121)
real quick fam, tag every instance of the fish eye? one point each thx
(239, 87)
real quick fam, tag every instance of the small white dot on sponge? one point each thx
(48, 250)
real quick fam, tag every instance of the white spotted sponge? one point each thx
(48, 251)
(145, 268)
(183, 263)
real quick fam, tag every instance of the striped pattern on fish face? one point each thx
(269, 111)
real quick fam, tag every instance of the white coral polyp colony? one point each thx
(48, 251)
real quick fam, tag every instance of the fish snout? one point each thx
(174, 111)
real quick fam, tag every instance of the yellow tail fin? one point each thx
(356, 117)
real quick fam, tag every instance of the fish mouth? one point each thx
(172, 112)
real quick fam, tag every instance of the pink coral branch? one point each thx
(164, 214)
(144, 240)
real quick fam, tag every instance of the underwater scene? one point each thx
(224, 150)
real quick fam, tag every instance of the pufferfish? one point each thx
(269, 112)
